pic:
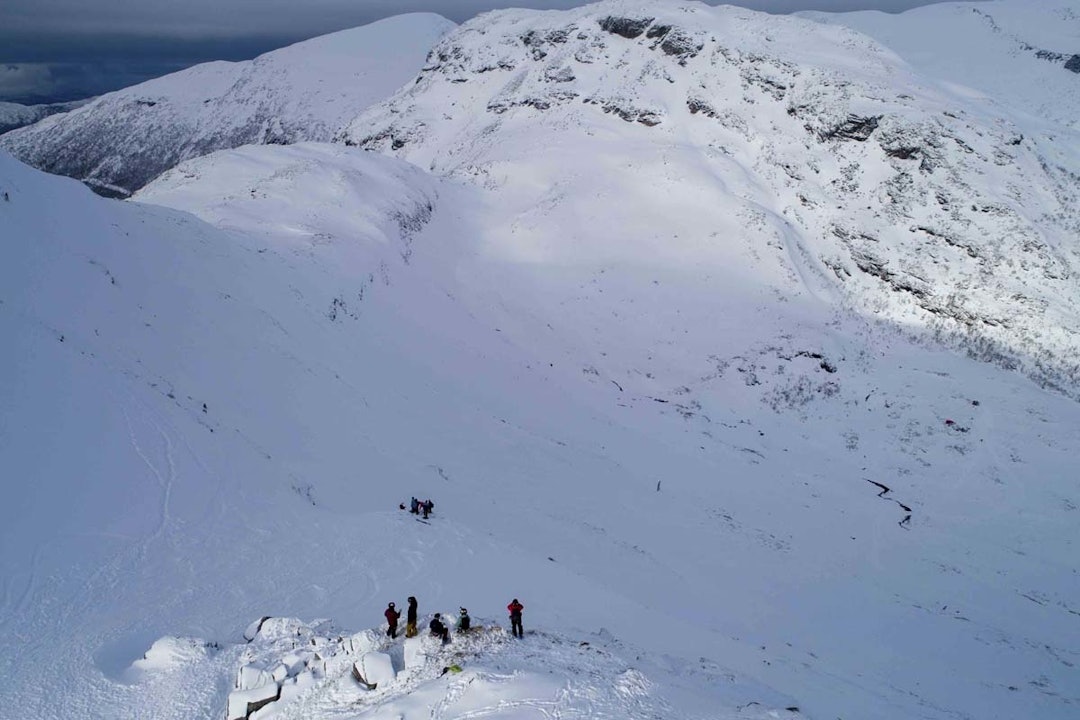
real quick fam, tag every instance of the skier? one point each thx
(414, 506)
(438, 629)
(464, 622)
(410, 618)
(515, 609)
(428, 506)
(392, 616)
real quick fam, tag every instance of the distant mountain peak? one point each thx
(306, 91)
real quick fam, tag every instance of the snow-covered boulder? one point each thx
(252, 630)
(295, 662)
(296, 687)
(377, 668)
(242, 703)
(415, 653)
(250, 677)
(171, 651)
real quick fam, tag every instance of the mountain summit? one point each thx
(809, 145)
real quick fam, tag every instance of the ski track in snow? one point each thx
(164, 480)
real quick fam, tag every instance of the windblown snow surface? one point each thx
(306, 91)
(633, 350)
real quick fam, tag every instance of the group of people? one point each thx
(438, 628)
(420, 506)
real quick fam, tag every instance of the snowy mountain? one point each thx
(306, 91)
(14, 115)
(598, 312)
(1018, 54)
(809, 145)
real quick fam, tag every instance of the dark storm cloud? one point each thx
(229, 18)
(55, 50)
(56, 68)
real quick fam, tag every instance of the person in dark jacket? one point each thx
(392, 616)
(464, 622)
(438, 629)
(414, 506)
(515, 609)
(427, 506)
(410, 618)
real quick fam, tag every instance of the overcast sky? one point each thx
(53, 50)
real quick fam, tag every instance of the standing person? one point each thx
(392, 616)
(515, 609)
(414, 506)
(428, 506)
(410, 618)
(438, 629)
(464, 621)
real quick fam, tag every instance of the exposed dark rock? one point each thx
(501, 65)
(629, 114)
(674, 41)
(854, 128)
(1073, 64)
(879, 268)
(658, 31)
(560, 75)
(1048, 55)
(535, 44)
(949, 240)
(902, 153)
(629, 28)
(823, 362)
(696, 106)
(681, 45)
(543, 102)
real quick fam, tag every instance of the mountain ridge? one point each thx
(122, 140)
(912, 200)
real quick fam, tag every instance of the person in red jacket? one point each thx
(515, 609)
(392, 616)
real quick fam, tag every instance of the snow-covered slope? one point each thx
(1017, 53)
(668, 452)
(306, 91)
(208, 427)
(807, 149)
(605, 347)
(14, 115)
